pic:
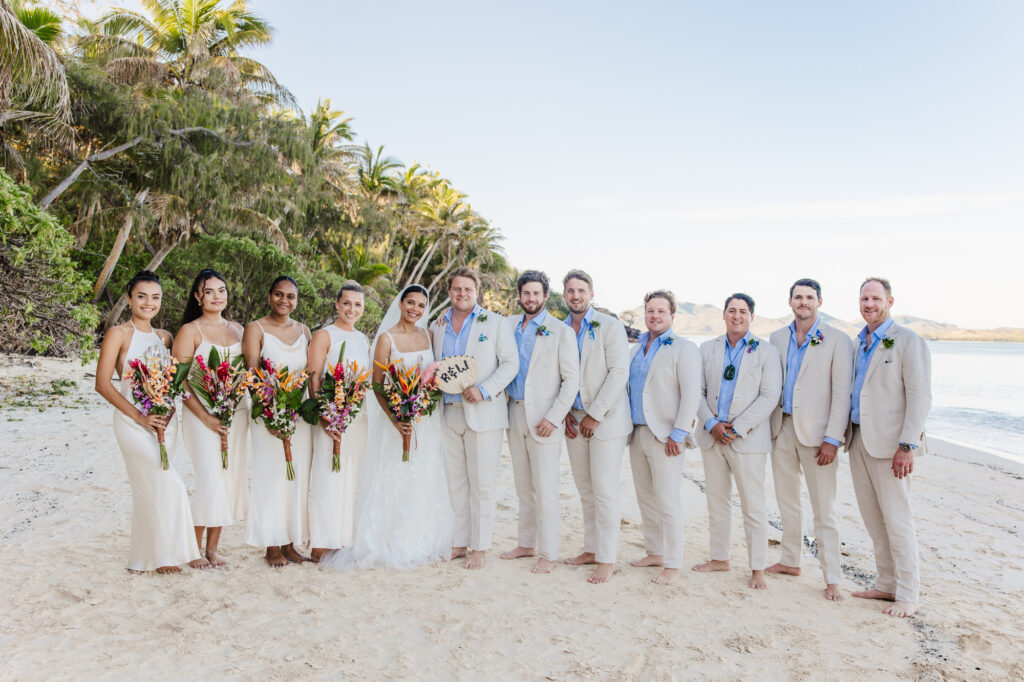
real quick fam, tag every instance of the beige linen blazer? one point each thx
(497, 360)
(604, 373)
(896, 395)
(821, 395)
(553, 379)
(758, 387)
(672, 390)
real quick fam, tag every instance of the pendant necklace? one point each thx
(730, 371)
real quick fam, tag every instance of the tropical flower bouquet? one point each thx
(156, 382)
(219, 385)
(339, 399)
(276, 400)
(410, 393)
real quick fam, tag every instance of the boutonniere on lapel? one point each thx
(887, 342)
(483, 337)
(593, 325)
(752, 345)
(668, 341)
(543, 331)
(817, 338)
(482, 318)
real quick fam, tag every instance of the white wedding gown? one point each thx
(403, 511)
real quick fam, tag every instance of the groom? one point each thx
(474, 421)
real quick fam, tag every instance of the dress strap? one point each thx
(202, 339)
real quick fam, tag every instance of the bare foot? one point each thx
(477, 559)
(291, 555)
(649, 560)
(901, 609)
(583, 558)
(200, 563)
(542, 566)
(214, 558)
(458, 553)
(875, 594)
(519, 553)
(833, 593)
(757, 581)
(783, 568)
(275, 558)
(710, 566)
(666, 577)
(317, 553)
(167, 569)
(602, 574)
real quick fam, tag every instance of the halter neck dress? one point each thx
(279, 508)
(162, 532)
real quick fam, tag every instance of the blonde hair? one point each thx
(665, 294)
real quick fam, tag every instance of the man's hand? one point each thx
(902, 463)
(545, 428)
(722, 433)
(826, 454)
(571, 426)
(472, 395)
(588, 425)
(672, 448)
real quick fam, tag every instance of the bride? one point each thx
(403, 511)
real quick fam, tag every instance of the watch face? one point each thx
(904, 447)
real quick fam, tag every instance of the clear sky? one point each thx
(707, 147)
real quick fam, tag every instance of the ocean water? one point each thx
(977, 393)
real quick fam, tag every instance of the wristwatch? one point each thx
(905, 448)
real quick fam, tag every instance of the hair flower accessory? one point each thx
(817, 338)
(543, 331)
(887, 342)
(752, 345)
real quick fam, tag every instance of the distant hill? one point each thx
(700, 319)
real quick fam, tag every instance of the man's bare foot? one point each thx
(214, 558)
(166, 569)
(875, 594)
(519, 553)
(783, 568)
(317, 553)
(666, 577)
(542, 566)
(458, 553)
(275, 557)
(476, 560)
(649, 560)
(757, 581)
(602, 574)
(200, 563)
(710, 566)
(291, 555)
(582, 558)
(901, 609)
(833, 593)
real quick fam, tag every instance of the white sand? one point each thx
(71, 611)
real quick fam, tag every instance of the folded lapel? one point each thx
(876, 357)
(717, 360)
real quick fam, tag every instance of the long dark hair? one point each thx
(414, 289)
(193, 310)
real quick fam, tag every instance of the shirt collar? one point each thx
(472, 315)
(810, 332)
(587, 317)
(537, 321)
(743, 341)
(878, 333)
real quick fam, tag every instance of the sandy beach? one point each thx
(73, 612)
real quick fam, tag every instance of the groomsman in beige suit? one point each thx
(892, 394)
(475, 421)
(664, 393)
(598, 424)
(539, 399)
(808, 426)
(741, 382)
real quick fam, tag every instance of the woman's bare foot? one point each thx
(581, 559)
(833, 593)
(542, 566)
(602, 574)
(519, 553)
(166, 569)
(649, 560)
(458, 553)
(783, 568)
(317, 553)
(901, 609)
(711, 566)
(757, 581)
(666, 577)
(275, 558)
(214, 558)
(875, 594)
(200, 563)
(291, 555)
(476, 560)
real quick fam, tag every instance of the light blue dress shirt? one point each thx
(863, 361)
(795, 358)
(734, 357)
(584, 329)
(638, 370)
(455, 344)
(525, 340)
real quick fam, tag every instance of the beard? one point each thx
(531, 308)
(577, 310)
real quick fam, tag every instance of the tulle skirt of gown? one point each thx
(210, 504)
(332, 503)
(278, 508)
(404, 515)
(162, 528)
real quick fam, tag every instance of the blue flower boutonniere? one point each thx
(543, 331)
(483, 337)
(668, 341)
(817, 338)
(887, 342)
(482, 318)
(752, 345)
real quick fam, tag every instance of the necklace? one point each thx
(730, 372)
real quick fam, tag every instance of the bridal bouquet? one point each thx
(410, 393)
(339, 399)
(219, 385)
(277, 399)
(155, 384)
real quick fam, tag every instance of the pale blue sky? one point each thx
(706, 147)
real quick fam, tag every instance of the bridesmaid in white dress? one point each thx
(162, 536)
(203, 328)
(279, 508)
(332, 502)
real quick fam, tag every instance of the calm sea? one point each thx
(977, 393)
